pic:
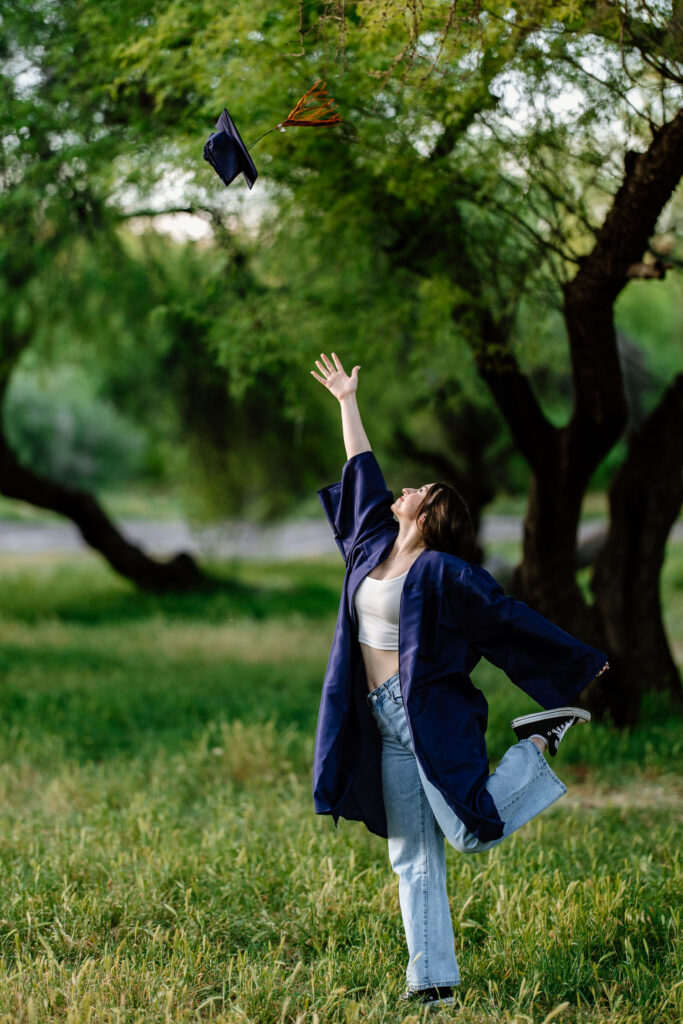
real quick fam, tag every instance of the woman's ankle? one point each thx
(540, 742)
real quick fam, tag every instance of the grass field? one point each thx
(160, 861)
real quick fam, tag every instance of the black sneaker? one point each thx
(551, 725)
(440, 996)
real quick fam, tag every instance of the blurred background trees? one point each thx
(497, 201)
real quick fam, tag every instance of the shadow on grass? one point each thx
(72, 593)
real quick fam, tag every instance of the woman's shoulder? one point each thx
(438, 568)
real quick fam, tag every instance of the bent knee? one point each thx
(468, 843)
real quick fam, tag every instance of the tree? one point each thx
(54, 164)
(71, 148)
(466, 185)
(214, 370)
(607, 252)
(434, 176)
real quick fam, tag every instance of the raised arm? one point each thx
(358, 507)
(333, 377)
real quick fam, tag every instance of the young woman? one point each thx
(400, 739)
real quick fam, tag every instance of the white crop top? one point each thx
(378, 603)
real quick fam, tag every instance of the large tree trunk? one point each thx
(470, 430)
(645, 499)
(546, 577)
(564, 459)
(564, 463)
(98, 531)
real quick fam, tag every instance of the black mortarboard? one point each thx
(227, 154)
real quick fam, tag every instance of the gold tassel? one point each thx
(315, 109)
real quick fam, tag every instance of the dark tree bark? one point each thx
(564, 459)
(645, 499)
(470, 431)
(97, 530)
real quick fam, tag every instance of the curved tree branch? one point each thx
(497, 364)
(97, 530)
(600, 407)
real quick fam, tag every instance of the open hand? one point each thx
(334, 377)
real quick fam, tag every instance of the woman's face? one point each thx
(406, 506)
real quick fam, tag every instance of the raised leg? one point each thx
(522, 786)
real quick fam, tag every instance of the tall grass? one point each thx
(160, 861)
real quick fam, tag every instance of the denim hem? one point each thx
(546, 767)
(433, 984)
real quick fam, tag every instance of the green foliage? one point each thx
(213, 357)
(160, 860)
(477, 153)
(76, 288)
(60, 429)
(651, 313)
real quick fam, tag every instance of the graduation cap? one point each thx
(227, 153)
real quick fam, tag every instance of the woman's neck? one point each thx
(407, 544)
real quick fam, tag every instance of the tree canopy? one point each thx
(497, 165)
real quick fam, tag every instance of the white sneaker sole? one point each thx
(448, 1001)
(542, 716)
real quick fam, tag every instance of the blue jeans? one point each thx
(418, 819)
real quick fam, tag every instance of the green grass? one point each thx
(160, 861)
(134, 501)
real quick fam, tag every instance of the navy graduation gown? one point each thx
(452, 613)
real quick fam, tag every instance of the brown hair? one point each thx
(447, 526)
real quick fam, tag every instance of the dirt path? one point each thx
(302, 539)
(662, 793)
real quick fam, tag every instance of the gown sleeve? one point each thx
(359, 506)
(552, 666)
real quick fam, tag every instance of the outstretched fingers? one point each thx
(333, 376)
(331, 368)
(326, 368)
